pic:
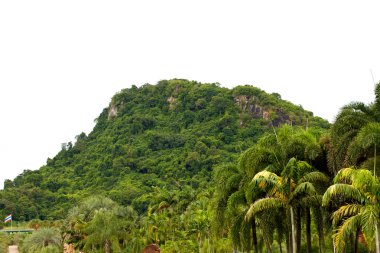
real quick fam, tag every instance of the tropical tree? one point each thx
(230, 207)
(363, 149)
(355, 194)
(345, 149)
(277, 147)
(233, 193)
(274, 150)
(104, 232)
(44, 240)
(100, 223)
(165, 213)
(297, 184)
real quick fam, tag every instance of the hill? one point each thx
(165, 136)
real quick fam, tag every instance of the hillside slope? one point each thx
(170, 135)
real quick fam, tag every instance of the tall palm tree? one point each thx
(365, 145)
(276, 148)
(229, 202)
(272, 151)
(285, 193)
(348, 123)
(356, 194)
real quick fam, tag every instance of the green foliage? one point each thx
(355, 198)
(99, 223)
(44, 240)
(267, 184)
(155, 135)
(354, 134)
(3, 242)
(152, 156)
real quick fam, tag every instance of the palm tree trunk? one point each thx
(294, 250)
(254, 236)
(334, 248)
(319, 222)
(287, 242)
(298, 229)
(308, 231)
(321, 242)
(267, 243)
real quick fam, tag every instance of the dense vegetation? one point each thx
(200, 168)
(166, 136)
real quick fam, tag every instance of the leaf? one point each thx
(263, 205)
(314, 177)
(345, 211)
(344, 192)
(302, 190)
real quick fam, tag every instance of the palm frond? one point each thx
(301, 190)
(364, 180)
(344, 192)
(314, 177)
(343, 233)
(262, 205)
(344, 175)
(236, 202)
(304, 145)
(266, 180)
(357, 107)
(354, 153)
(369, 135)
(296, 169)
(313, 200)
(348, 122)
(370, 214)
(234, 231)
(252, 192)
(345, 211)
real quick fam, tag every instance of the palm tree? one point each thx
(104, 231)
(197, 219)
(285, 193)
(164, 212)
(365, 145)
(229, 200)
(44, 240)
(275, 149)
(348, 123)
(99, 222)
(356, 195)
(233, 194)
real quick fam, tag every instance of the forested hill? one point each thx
(165, 136)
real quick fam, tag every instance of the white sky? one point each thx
(62, 61)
